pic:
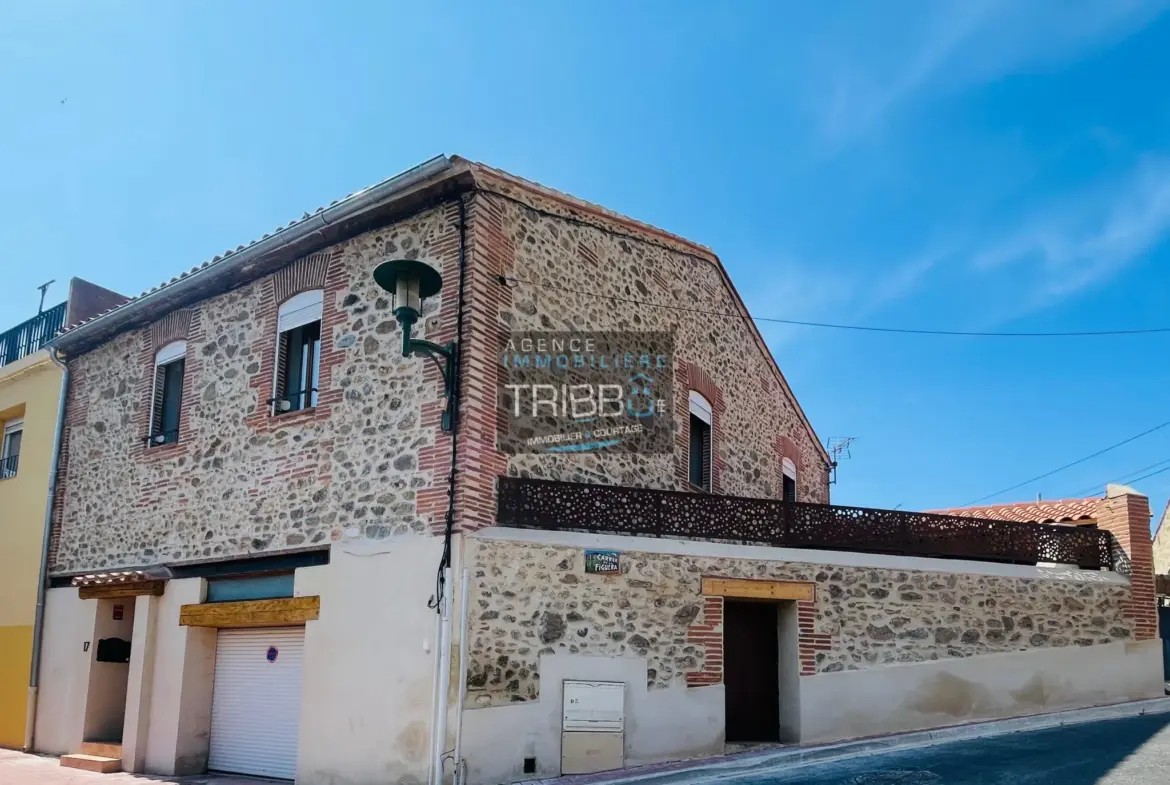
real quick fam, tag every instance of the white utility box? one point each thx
(593, 726)
(595, 706)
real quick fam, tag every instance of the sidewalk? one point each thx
(760, 761)
(17, 768)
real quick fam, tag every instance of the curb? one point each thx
(758, 763)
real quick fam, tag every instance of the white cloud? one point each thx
(955, 45)
(1085, 239)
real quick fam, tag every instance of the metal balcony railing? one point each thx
(8, 466)
(31, 336)
(567, 506)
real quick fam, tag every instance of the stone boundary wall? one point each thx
(532, 599)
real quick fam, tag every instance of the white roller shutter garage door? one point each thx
(256, 701)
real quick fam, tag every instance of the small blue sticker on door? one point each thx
(272, 653)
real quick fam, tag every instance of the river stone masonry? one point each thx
(528, 600)
(241, 482)
(580, 278)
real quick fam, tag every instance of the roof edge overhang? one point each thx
(418, 188)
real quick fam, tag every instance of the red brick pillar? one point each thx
(1126, 514)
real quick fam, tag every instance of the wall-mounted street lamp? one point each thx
(411, 282)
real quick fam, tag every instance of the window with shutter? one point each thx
(700, 441)
(298, 353)
(167, 399)
(788, 469)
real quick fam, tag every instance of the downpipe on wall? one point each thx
(443, 600)
(433, 743)
(34, 674)
(439, 737)
(460, 768)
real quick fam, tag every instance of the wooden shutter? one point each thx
(280, 382)
(707, 444)
(156, 404)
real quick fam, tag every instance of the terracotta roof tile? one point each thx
(111, 578)
(1055, 511)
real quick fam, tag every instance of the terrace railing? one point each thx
(568, 506)
(31, 336)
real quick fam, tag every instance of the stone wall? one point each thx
(582, 278)
(529, 599)
(241, 481)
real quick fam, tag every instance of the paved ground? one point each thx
(1130, 751)
(19, 769)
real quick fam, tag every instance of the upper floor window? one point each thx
(10, 448)
(700, 443)
(788, 469)
(298, 352)
(169, 364)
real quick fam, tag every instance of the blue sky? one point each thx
(974, 165)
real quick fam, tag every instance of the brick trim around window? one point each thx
(322, 270)
(689, 376)
(185, 324)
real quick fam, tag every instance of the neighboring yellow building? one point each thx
(30, 390)
(30, 402)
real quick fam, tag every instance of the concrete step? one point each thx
(103, 749)
(97, 763)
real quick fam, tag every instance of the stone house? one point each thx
(264, 502)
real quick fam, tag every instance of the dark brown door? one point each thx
(751, 662)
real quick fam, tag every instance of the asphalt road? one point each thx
(1130, 751)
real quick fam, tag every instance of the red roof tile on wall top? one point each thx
(1055, 511)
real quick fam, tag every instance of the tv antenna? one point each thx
(44, 288)
(838, 448)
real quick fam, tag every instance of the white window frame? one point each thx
(15, 425)
(175, 350)
(701, 407)
(788, 468)
(297, 311)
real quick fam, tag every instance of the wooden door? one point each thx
(751, 665)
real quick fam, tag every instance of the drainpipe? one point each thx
(444, 657)
(34, 676)
(443, 599)
(460, 769)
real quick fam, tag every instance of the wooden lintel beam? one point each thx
(120, 591)
(251, 613)
(759, 589)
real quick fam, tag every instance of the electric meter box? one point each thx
(594, 706)
(593, 726)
